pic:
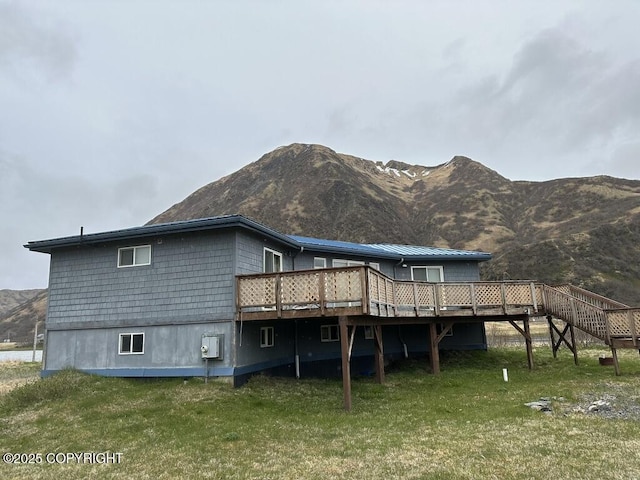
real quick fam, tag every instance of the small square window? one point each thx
(319, 262)
(375, 265)
(131, 344)
(134, 256)
(368, 332)
(329, 333)
(266, 337)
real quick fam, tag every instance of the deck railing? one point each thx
(581, 310)
(365, 291)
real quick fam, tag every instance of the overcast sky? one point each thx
(110, 112)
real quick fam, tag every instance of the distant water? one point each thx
(20, 356)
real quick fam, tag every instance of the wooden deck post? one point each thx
(528, 342)
(573, 342)
(554, 349)
(562, 337)
(346, 362)
(435, 354)
(379, 353)
(616, 365)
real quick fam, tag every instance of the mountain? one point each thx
(580, 230)
(584, 231)
(12, 298)
(18, 323)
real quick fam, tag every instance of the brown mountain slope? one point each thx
(580, 230)
(18, 323)
(12, 298)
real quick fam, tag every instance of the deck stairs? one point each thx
(615, 323)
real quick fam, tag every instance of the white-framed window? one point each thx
(427, 274)
(131, 344)
(368, 332)
(134, 256)
(329, 333)
(375, 265)
(319, 262)
(266, 337)
(341, 262)
(272, 261)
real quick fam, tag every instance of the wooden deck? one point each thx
(364, 296)
(365, 292)
(358, 291)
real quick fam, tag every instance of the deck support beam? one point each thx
(346, 362)
(379, 353)
(616, 365)
(526, 333)
(433, 349)
(562, 338)
(527, 339)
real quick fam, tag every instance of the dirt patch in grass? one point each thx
(14, 374)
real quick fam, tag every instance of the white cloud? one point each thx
(113, 111)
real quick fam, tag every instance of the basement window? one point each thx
(440, 329)
(368, 332)
(329, 333)
(266, 337)
(134, 256)
(131, 344)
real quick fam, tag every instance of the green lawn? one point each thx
(466, 423)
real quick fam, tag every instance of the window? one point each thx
(368, 332)
(375, 265)
(340, 262)
(131, 344)
(266, 337)
(329, 333)
(272, 261)
(427, 274)
(319, 262)
(134, 256)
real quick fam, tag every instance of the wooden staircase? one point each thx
(617, 324)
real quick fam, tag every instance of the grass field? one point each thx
(466, 423)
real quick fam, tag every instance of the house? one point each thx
(164, 300)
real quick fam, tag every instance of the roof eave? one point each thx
(231, 221)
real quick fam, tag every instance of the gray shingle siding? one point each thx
(250, 253)
(190, 279)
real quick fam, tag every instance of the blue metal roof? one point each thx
(374, 250)
(415, 250)
(386, 250)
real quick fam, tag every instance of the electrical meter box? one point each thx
(211, 345)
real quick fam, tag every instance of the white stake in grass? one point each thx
(505, 375)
